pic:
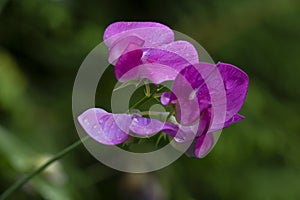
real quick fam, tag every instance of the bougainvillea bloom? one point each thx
(204, 97)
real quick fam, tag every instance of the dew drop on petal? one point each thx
(86, 121)
(192, 95)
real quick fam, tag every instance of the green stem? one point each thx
(147, 88)
(18, 184)
(145, 99)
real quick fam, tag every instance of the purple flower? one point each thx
(113, 129)
(147, 50)
(205, 97)
(194, 91)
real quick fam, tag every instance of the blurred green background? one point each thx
(42, 44)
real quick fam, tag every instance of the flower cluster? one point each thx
(147, 51)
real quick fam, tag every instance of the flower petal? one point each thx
(152, 33)
(167, 98)
(180, 133)
(123, 46)
(192, 95)
(211, 92)
(145, 126)
(186, 133)
(113, 129)
(236, 118)
(170, 128)
(125, 63)
(223, 86)
(183, 49)
(155, 64)
(203, 145)
(200, 127)
(236, 84)
(105, 128)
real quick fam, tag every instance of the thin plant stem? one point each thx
(18, 184)
(142, 101)
(147, 88)
(145, 99)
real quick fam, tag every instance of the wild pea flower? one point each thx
(147, 50)
(113, 129)
(139, 50)
(190, 92)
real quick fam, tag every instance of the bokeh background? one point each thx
(42, 44)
